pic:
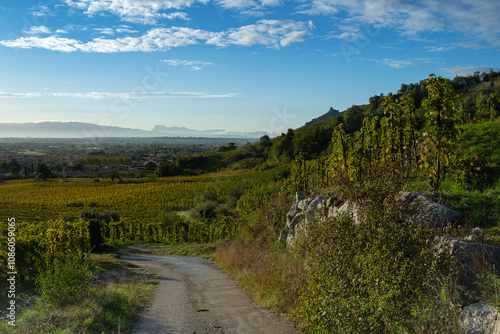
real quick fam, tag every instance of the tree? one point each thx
(229, 147)
(113, 174)
(399, 130)
(442, 134)
(264, 144)
(353, 119)
(42, 172)
(14, 166)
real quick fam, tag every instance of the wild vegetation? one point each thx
(439, 137)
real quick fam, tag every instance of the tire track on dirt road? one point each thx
(195, 296)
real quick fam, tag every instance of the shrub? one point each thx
(488, 285)
(95, 234)
(65, 281)
(377, 275)
(205, 210)
(109, 216)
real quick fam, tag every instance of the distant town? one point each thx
(73, 158)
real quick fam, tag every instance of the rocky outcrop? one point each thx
(471, 259)
(304, 211)
(421, 208)
(472, 254)
(480, 318)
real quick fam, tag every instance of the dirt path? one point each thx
(195, 296)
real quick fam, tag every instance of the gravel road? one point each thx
(195, 296)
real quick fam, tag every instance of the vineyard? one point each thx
(56, 218)
(141, 201)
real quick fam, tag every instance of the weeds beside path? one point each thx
(117, 293)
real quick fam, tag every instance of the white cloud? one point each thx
(455, 45)
(348, 33)
(236, 4)
(129, 95)
(467, 70)
(50, 43)
(271, 33)
(403, 63)
(474, 19)
(105, 31)
(41, 11)
(395, 63)
(5, 95)
(150, 11)
(37, 30)
(319, 7)
(142, 12)
(293, 37)
(175, 15)
(125, 29)
(248, 8)
(116, 30)
(195, 65)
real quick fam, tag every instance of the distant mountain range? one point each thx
(85, 130)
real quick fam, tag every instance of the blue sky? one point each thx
(241, 65)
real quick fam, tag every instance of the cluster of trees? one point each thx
(42, 171)
(12, 166)
(475, 98)
(395, 143)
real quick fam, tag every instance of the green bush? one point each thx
(374, 276)
(488, 285)
(65, 281)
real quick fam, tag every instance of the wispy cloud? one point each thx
(41, 11)
(175, 15)
(396, 63)
(249, 7)
(105, 31)
(271, 33)
(142, 12)
(37, 30)
(347, 33)
(320, 7)
(403, 63)
(467, 70)
(476, 20)
(122, 29)
(128, 95)
(5, 95)
(195, 65)
(456, 45)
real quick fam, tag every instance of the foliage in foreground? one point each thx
(69, 304)
(104, 309)
(376, 276)
(65, 281)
